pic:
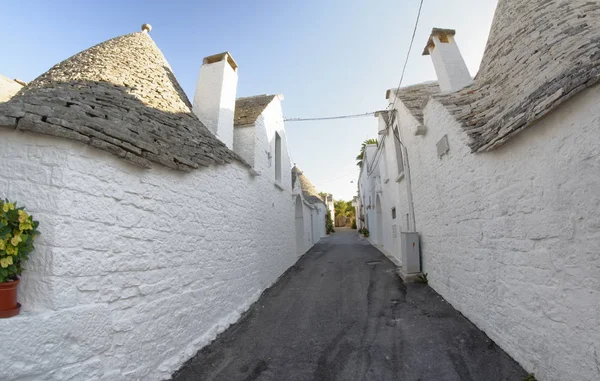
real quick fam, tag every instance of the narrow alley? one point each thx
(342, 313)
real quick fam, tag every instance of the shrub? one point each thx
(17, 232)
(353, 223)
(329, 223)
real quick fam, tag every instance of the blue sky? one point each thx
(327, 57)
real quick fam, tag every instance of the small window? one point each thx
(394, 213)
(277, 157)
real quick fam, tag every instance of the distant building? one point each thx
(310, 212)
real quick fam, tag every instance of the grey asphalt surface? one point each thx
(342, 313)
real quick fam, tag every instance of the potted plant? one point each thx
(365, 232)
(17, 232)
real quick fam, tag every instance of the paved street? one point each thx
(341, 313)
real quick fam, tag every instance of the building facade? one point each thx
(310, 212)
(161, 221)
(499, 175)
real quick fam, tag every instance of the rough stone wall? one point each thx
(510, 237)
(135, 269)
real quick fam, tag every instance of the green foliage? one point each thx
(363, 147)
(354, 223)
(364, 232)
(530, 377)
(329, 223)
(344, 208)
(423, 278)
(17, 233)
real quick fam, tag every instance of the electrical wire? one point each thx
(393, 114)
(329, 117)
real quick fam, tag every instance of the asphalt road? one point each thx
(341, 313)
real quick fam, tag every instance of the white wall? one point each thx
(135, 269)
(510, 237)
(214, 99)
(244, 139)
(8, 88)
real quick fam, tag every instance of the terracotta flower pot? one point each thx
(8, 299)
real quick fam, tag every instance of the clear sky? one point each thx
(327, 57)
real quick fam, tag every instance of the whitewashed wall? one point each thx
(511, 237)
(313, 228)
(136, 269)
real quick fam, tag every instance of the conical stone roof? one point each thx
(309, 192)
(120, 96)
(539, 54)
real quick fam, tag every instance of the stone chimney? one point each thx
(449, 65)
(214, 100)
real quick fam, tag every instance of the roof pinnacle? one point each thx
(146, 28)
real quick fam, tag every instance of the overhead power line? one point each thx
(390, 122)
(412, 39)
(373, 112)
(329, 117)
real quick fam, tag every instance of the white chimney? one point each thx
(449, 65)
(214, 100)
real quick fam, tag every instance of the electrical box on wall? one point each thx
(411, 252)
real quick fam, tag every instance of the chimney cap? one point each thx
(221, 57)
(441, 33)
(146, 28)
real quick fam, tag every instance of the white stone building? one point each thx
(500, 176)
(155, 234)
(310, 212)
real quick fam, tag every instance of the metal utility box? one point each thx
(411, 252)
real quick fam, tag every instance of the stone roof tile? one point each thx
(120, 96)
(539, 54)
(309, 192)
(248, 109)
(416, 96)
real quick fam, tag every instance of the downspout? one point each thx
(411, 206)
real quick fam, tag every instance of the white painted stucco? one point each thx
(510, 237)
(8, 88)
(214, 99)
(449, 65)
(310, 220)
(136, 270)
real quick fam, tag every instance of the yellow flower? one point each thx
(8, 206)
(5, 262)
(25, 226)
(11, 250)
(23, 217)
(2, 244)
(16, 240)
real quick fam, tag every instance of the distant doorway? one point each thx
(299, 227)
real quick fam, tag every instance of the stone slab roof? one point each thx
(248, 109)
(415, 97)
(119, 96)
(309, 192)
(8, 88)
(539, 54)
